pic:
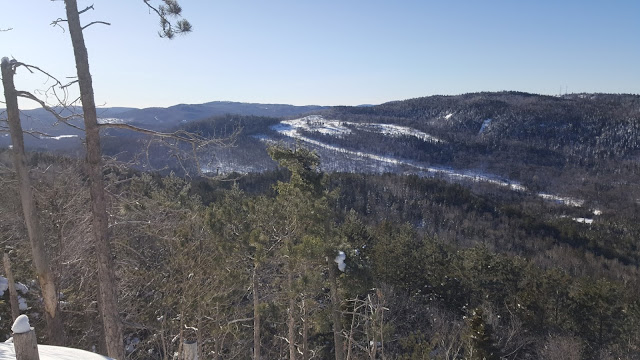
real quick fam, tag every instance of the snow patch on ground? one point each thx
(4, 285)
(448, 116)
(340, 260)
(583, 220)
(562, 199)
(48, 352)
(22, 303)
(59, 137)
(110, 121)
(484, 126)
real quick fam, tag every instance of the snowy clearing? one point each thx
(316, 123)
(110, 121)
(59, 137)
(290, 131)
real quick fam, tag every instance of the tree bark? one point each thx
(13, 295)
(107, 289)
(55, 330)
(335, 310)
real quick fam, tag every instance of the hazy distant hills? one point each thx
(164, 118)
(41, 121)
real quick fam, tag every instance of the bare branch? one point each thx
(7, 29)
(95, 22)
(181, 135)
(60, 118)
(86, 9)
(57, 22)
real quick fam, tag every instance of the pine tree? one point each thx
(481, 343)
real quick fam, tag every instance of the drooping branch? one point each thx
(170, 9)
(95, 22)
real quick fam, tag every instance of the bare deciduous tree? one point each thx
(40, 258)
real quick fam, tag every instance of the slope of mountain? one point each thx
(576, 145)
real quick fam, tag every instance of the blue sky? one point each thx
(328, 52)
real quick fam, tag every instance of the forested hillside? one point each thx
(314, 264)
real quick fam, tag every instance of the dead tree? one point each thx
(40, 259)
(108, 292)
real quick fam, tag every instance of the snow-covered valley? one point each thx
(300, 130)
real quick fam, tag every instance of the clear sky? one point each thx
(334, 52)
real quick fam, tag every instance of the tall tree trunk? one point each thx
(256, 314)
(13, 294)
(335, 310)
(107, 289)
(305, 332)
(290, 318)
(46, 279)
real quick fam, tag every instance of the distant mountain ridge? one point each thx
(154, 118)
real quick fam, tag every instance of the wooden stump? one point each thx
(26, 346)
(190, 350)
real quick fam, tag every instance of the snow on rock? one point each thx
(340, 261)
(597, 212)
(48, 352)
(448, 116)
(21, 325)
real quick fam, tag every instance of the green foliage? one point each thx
(482, 345)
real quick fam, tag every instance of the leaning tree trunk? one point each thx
(107, 298)
(46, 279)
